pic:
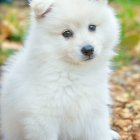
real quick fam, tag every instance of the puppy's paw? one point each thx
(115, 135)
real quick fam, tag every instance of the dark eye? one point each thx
(92, 28)
(68, 34)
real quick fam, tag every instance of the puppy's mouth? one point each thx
(88, 58)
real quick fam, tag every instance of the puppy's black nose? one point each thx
(87, 50)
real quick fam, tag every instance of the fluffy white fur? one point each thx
(49, 92)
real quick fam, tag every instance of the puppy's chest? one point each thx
(75, 101)
(78, 102)
(72, 95)
(70, 88)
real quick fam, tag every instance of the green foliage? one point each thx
(16, 23)
(131, 2)
(4, 54)
(128, 13)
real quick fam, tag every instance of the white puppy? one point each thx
(57, 87)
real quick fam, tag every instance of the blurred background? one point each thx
(125, 81)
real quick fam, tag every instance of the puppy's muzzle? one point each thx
(88, 51)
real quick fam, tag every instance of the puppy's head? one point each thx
(75, 31)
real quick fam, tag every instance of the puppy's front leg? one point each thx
(102, 132)
(40, 128)
(99, 127)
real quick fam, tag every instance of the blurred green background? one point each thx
(14, 19)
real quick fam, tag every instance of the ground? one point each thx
(125, 87)
(125, 80)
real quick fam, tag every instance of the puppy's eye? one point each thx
(92, 28)
(67, 34)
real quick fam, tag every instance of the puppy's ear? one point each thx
(41, 7)
(100, 1)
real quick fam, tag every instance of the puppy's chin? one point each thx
(78, 61)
